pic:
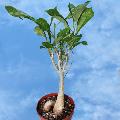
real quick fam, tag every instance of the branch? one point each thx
(59, 60)
(66, 62)
(56, 51)
(52, 59)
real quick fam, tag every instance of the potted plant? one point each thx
(60, 45)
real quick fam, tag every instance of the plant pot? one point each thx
(68, 117)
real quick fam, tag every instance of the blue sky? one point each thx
(26, 72)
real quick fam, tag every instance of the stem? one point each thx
(73, 25)
(66, 61)
(59, 105)
(45, 36)
(61, 85)
(54, 29)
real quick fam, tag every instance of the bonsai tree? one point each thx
(60, 45)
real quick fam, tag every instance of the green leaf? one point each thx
(71, 7)
(85, 17)
(76, 38)
(58, 39)
(62, 39)
(18, 13)
(51, 20)
(74, 41)
(43, 24)
(64, 32)
(41, 47)
(75, 12)
(84, 42)
(68, 37)
(55, 13)
(39, 31)
(76, 44)
(47, 44)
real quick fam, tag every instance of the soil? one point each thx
(68, 108)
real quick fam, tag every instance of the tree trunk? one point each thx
(59, 105)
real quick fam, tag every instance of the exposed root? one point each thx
(48, 105)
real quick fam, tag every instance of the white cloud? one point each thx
(110, 10)
(23, 70)
(13, 105)
(7, 108)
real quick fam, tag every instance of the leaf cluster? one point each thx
(67, 38)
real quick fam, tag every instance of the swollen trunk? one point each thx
(59, 105)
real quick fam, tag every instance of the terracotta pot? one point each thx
(54, 94)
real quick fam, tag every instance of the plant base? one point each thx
(65, 115)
